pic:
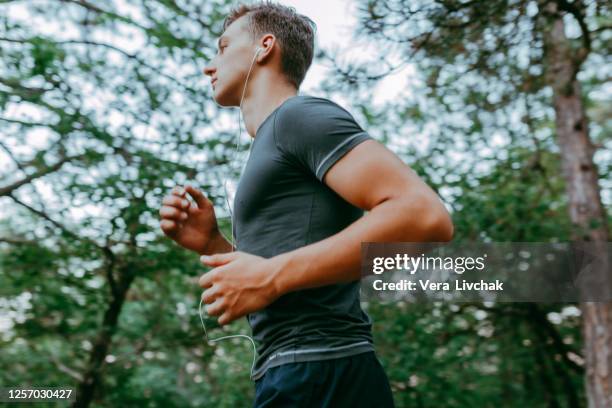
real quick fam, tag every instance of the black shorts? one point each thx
(357, 381)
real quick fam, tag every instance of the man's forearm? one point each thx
(337, 258)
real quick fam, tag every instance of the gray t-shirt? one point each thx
(282, 204)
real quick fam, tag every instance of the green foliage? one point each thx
(121, 101)
(477, 125)
(44, 53)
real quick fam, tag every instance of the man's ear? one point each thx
(268, 42)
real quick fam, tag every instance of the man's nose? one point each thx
(209, 70)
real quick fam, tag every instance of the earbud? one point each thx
(257, 51)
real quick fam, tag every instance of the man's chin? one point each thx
(223, 100)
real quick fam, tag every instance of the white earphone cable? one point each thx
(200, 309)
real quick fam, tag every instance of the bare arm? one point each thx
(402, 208)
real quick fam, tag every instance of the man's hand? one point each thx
(193, 226)
(239, 284)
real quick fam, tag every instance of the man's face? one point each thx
(229, 68)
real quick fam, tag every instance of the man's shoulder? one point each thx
(309, 100)
(308, 107)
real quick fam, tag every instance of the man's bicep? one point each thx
(370, 174)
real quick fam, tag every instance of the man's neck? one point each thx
(263, 96)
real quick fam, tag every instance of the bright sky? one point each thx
(336, 21)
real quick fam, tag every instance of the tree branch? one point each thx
(16, 241)
(575, 11)
(65, 369)
(8, 190)
(12, 156)
(128, 55)
(55, 223)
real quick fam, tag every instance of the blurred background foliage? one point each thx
(104, 108)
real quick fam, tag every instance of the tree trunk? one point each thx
(87, 387)
(585, 207)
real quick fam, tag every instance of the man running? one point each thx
(299, 220)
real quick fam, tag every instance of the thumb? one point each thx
(197, 196)
(219, 259)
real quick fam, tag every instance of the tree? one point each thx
(484, 62)
(103, 111)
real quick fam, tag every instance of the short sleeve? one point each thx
(315, 133)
